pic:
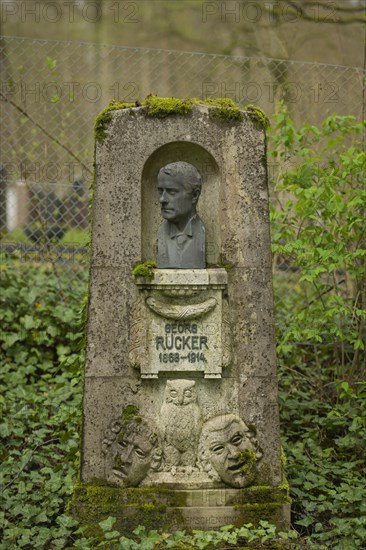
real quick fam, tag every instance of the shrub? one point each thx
(318, 225)
(40, 383)
(318, 229)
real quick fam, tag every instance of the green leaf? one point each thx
(107, 524)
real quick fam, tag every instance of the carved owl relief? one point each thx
(180, 421)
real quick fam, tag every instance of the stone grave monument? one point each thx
(180, 414)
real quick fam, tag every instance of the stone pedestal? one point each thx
(181, 424)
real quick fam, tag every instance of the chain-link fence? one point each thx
(51, 92)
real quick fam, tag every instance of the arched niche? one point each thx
(208, 204)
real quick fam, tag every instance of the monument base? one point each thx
(172, 510)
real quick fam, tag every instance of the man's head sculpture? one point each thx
(181, 238)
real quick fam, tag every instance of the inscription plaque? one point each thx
(186, 346)
(181, 324)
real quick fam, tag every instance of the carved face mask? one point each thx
(132, 459)
(232, 454)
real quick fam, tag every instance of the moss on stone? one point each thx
(256, 512)
(248, 457)
(261, 494)
(224, 110)
(128, 415)
(221, 262)
(284, 485)
(160, 508)
(130, 412)
(95, 501)
(162, 107)
(101, 493)
(144, 269)
(104, 118)
(283, 458)
(258, 116)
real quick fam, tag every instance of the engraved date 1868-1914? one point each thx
(181, 342)
(191, 357)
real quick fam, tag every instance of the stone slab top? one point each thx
(185, 277)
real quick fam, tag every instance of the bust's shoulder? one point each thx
(163, 228)
(198, 223)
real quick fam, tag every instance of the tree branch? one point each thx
(316, 18)
(51, 137)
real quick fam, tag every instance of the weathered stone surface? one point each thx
(180, 380)
(193, 277)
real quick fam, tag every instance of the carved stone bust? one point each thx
(181, 237)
